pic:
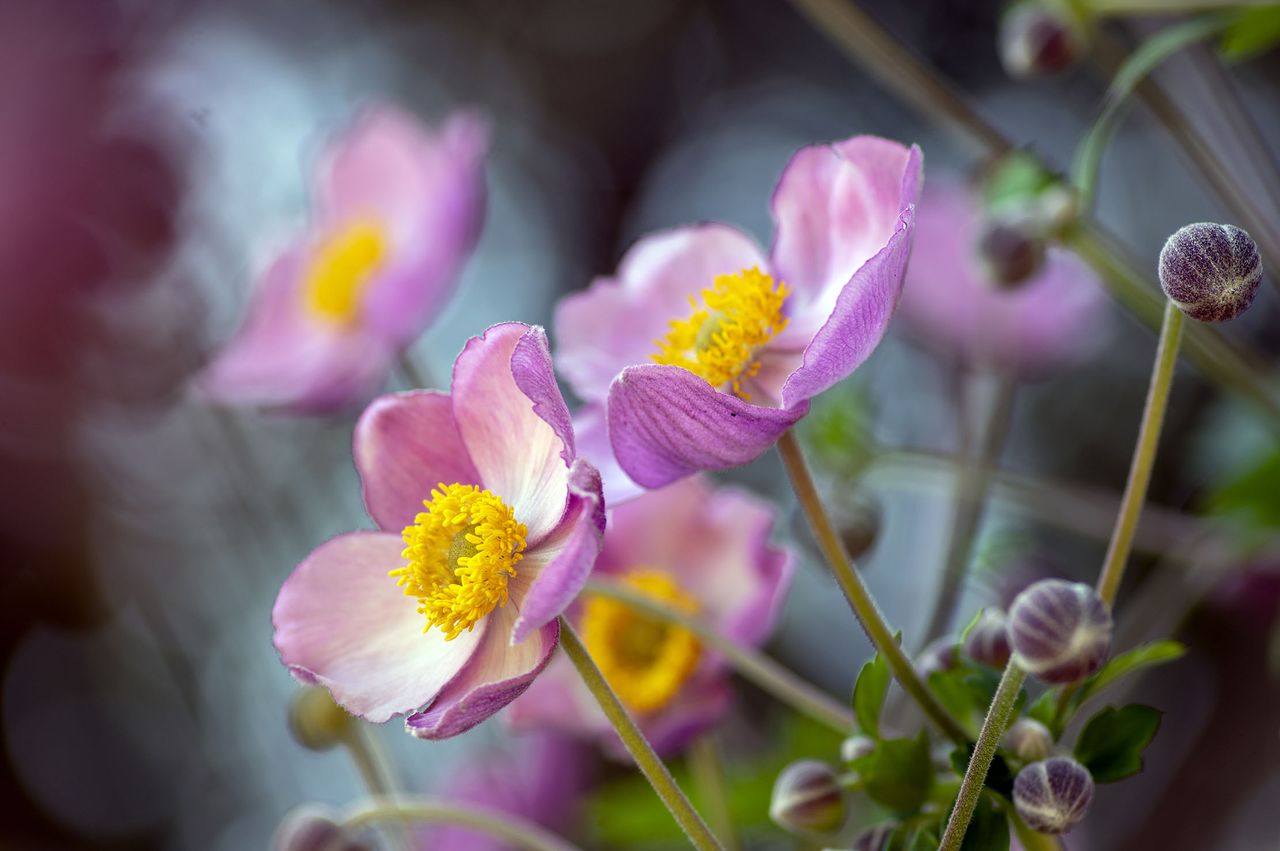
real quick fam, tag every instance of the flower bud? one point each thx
(856, 747)
(1011, 252)
(859, 526)
(1039, 37)
(1028, 740)
(874, 838)
(808, 797)
(1052, 796)
(316, 722)
(941, 655)
(1211, 272)
(987, 641)
(1060, 631)
(312, 828)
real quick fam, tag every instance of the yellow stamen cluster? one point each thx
(461, 552)
(718, 342)
(342, 270)
(644, 659)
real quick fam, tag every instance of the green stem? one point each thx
(984, 751)
(860, 600)
(519, 832)
(375, 769)
(756, 667)
(708, 775)
(636, 744)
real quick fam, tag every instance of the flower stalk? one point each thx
(707, 767)
(510, 828)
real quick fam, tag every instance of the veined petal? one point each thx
(342, 622)
(404, 445)
(666, 423)
(497, 674)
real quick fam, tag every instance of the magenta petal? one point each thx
(497, 674)
(404, 445)
(701, 703)
(666, 423)
(342, 622)
(561, 563)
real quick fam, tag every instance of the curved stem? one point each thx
(984, 751)
(519, 832)
(375, 769)
(860, 600)
(708, 774)
(756, 667)
(637, 745)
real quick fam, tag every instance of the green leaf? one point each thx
(1045, 707)
(1111, 744)
(954, 694)
(898, 774)
(1143, 656)
(1251, 498)
(988, 830)
(1253, 32)
(868, 695)
(999, 777)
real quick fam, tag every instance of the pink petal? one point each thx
(558, 700)
(666, 423)
(515, 424)
(497, 674)
(591, 431)
(616, 322)
(701, 702)
(404, 445)
(342, 622)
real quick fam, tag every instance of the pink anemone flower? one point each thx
(702, 550)
(450, 612)
(398, 209)
(707, 350)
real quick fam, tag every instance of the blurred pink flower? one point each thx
(701, 550)
(398, 209)
(506, 542)
(948, 303)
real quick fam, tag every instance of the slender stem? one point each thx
(756, 667)
(860, 600)
(1144, 454)
(375, 769)
(984, 751)
(519, 832)
(708, 774)
(637, 745)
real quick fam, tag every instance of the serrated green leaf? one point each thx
(1255, 31)
(868, 695)
(1143, 656)
(954, 694)
(898, 774)
(1111, 744)
(988, 829)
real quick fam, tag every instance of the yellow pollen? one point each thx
(342, 269)
(461, 552)
(718, 342)
(645, 659)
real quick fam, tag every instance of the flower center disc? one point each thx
(644, 659)
(342, 269)
(461, 552)
(718, 342)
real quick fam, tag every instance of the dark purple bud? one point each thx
(808, 798)
(1053, 796)
(312, 828)
(1039, 37)
(1011, 252)
(987, 641)
(317, 723)
(1211, 272)
(1060, 631)
(940, 656)
(1028, 740)
(875, 838)
(856, 747)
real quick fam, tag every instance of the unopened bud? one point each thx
(1060, 631)
(860, 526)
(808, 798)
(875, 838)
(941, 655)
(1053, 796)
(1010, 252)
(987, 641)
(1028, 740)
(1039, 37)
(312, 828)
(1211, 272)
(856, 747)
(316, 721)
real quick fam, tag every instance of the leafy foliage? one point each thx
(999, 777)
(1254, 31)
(868, 695)
(898, 774)
(1143, 656)
(1111, 744)
(989, 829)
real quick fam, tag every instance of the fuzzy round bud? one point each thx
(874, 838)
(938, 657)
(316, 722)
(1028, 740)
(1060, 631)
(987, 641)
(1211, 272)
(808, 798)
(312, 828)
(856, 747)
(1039, 37)
(1011, 252)
(1052, 796)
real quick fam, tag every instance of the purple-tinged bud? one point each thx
(874, 838)
(316, 722)
(941, 655)
(1053, 796)
(1011, 252)
(1039, 37)
(312, 828)
(987, 641)
(1060, 631)
(1028, 740)
(808, 798)
(856, 747)
(1211, 272)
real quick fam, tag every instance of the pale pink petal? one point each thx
(404, 445)
(702, 702)
(558, 700)
(590, 429)
(342, 622)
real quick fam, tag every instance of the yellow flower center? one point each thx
(645, 659)
(718, 342)
(342, 269)
(461, 552)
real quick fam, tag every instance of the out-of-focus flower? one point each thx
(703, 551)
(1039, 37)
(1210, 271)
(715, 347)
(437, 615)
(951, 305)
(398, 209)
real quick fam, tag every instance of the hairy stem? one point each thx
(519, 832)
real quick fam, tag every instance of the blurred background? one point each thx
(151, 152)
